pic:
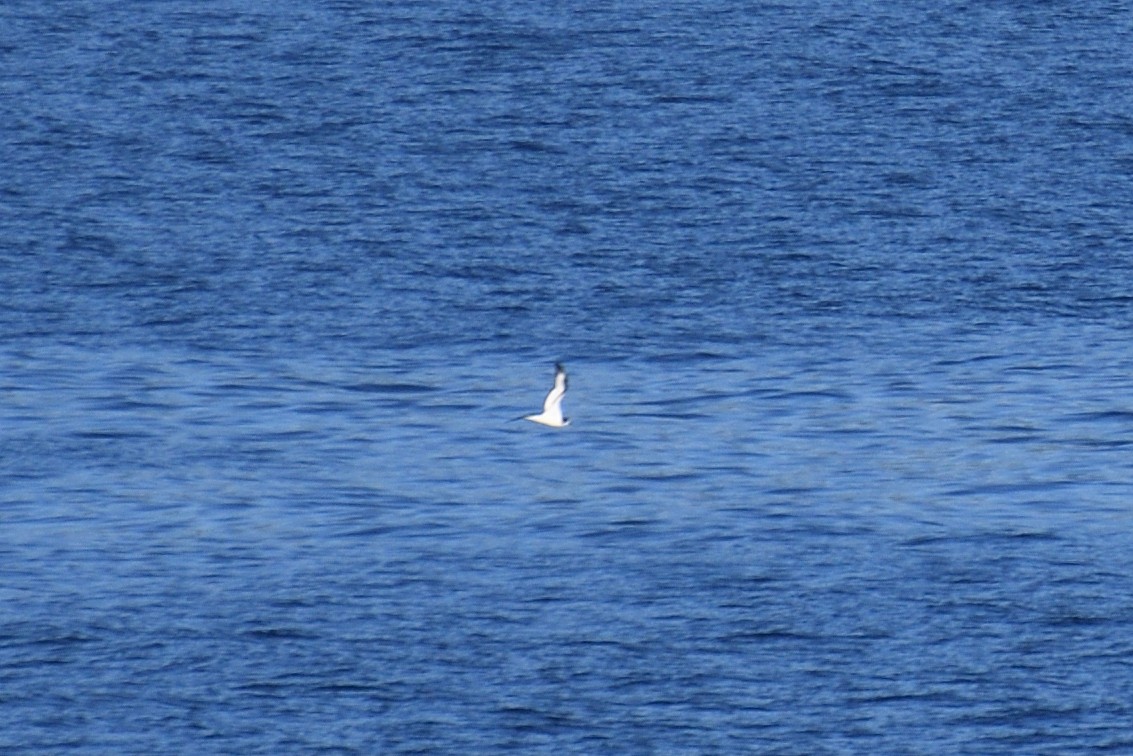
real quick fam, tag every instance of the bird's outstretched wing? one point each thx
(551, 405)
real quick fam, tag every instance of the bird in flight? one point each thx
(552, 413)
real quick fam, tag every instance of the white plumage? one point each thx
(552, 413)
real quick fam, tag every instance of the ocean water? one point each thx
(845, 292)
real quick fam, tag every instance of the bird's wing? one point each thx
(555, 396)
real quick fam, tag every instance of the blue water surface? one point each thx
(844, 292)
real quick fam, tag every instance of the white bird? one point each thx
(552, 413)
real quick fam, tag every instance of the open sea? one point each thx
(845, 292)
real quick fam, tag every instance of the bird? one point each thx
(552, 413)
